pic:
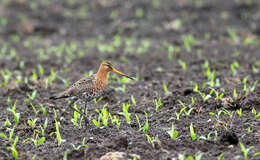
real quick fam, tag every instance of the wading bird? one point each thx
(88, 88)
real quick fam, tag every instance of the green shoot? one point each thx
(126, 113)
(239, 112)
(173, 133)
(220, 157)
(146, 125)
(183, 64)
(133, 100)
(116, 121)
(165, 89)
(245, 150)
(192, 133)
(158, 103)
(138, 122)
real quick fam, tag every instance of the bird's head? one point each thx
(107, 67)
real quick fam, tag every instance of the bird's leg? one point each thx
(72, 102)
(85, 114)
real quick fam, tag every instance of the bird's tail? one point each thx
(59, 96)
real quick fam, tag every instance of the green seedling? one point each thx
(52, 77)
(233, 35)
(220, 157)
(235, 94)
(239, 112)
(77, 117)
(97, 122)
(126, 113)
(13, 149)
(217, 115)
(37, 142)
(208, 137)
(97, 100)
(218, 94)
(229, 113)
(245, 150)
(256, 115)
(105, 115)
(34, 109)
(7, 122)
(146, 125)
(81, 145)
(133, 100)
(116, 120)
(43, 109)
(183, 64)
(40, 70)
(32, 95)
(165, 88)
(233, 67)
(16, 115)
(173, 133)
(65, 156)
(58, 136)
(32, 123)
(158, 104)
(192, 133)
(6, 76)
(183, 156)
(203, 96)
(138, 122)
(44, 127)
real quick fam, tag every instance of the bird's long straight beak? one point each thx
(121, 74)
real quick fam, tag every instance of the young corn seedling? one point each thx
(256, 115)
(233, 67)
(218, 94)
(32, 123)
(217, 115)
(34, 109)
(97, 122)
(239, 112)
(37, 141)
(31, 96)
(126, 113)
(58, 136)
(173, 133)
(16, 115)
(158, 104)
(192, 133)
(220, 157)
(77, 118)
(133, 100)
(52, 77)
(245, 150)
(233, 35)
(187, 113)
(203, 96)
(44, 127)
(13, 149)
(83, 144)
(138, 122)
(116, 120)
(165, 88)
(105, 115)
(183, 64)
(146, 125)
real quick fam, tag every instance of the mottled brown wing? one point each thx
(84, 85)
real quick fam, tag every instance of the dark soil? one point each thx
(36, 29)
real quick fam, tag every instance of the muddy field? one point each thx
(196, 66)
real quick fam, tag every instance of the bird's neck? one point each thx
(102, 75)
